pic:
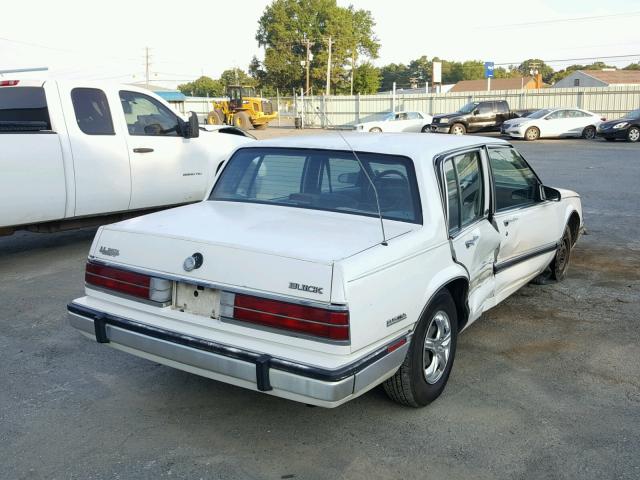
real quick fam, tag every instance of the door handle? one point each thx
(472, 241)
(143, 150)
(507, 221)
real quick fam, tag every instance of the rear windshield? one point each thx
(23, 109)
(322, 180)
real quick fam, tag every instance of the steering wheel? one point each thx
(387, 203)
(386, 173)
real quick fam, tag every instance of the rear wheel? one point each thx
(457, 129)
(242, 120)
(633, 135)
(589, 133)
(375, 130)
(425, 129)
(424, 373)
(557, 269)
(532, 133)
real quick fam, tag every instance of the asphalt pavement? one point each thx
(545, 386)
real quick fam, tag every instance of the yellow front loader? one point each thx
(243, 109)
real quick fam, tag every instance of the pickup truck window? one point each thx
(322, 180)
(92, 111)
(469, 107)
(23, 109)
(485, 107)
(514, 182)
(146, 116)
(502, 107)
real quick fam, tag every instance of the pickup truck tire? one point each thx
(421, 377)
(589, 132)
(458, 129)
(242, 120)
(557, 269)
(531, 134)
(633, 135)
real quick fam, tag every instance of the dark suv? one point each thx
(474, 117)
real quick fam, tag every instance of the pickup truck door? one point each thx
(530, 227)
(32, 175)
(474, 240)
(484, 117)
(166, 168)
(99, 150)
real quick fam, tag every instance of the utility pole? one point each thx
(146, 66)
(328, 92)
(353, 67)
(308, 44)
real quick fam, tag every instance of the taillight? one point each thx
(314, 321)
(9, 83)
(129, 283)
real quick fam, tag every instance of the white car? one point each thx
(398, 122)
(290, 280)
(554, 122)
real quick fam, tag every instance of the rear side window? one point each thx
(502, 107)
(92, 111)
(485, 107)
(23, 109)
(465, 192)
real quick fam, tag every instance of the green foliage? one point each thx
(286, 24)
(203, 87)
(366, 79)
(559, 75)
(536, 64)
(236, 76)
(632, 66)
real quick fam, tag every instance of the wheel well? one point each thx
(459, 289)
(574, 225)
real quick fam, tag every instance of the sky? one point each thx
(86, 40)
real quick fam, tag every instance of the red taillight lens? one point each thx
(319, 322)
(9, 83)
(122, 281)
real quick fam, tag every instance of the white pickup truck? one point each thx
(71, 154)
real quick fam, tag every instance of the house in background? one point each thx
(517, 83)
(599, 78)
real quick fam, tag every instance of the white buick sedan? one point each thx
(318, 267)
(398, 122)
(554, 123)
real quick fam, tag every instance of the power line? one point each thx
(562, 20)
(600, 57)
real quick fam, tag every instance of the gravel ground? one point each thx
(546, 386)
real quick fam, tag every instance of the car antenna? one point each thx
(375, 190)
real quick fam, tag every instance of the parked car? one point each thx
(291, 281)
(554, 122)
(398, 122)
(483, 116)
(627, 128)
(73, 152)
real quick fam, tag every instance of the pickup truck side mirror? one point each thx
(191, 129)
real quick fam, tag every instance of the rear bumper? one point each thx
(244, 368)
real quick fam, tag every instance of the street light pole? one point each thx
(328, 91)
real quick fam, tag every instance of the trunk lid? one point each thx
(264, 248)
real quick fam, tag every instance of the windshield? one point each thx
(539, 113)
(469, 107)
(388, 117)
(322, 180)
(632, 115)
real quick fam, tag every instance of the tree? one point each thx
(536, 64)
(236, 76)
(559, 75)
(203, 87)
(366, 79)
(472, 70)
(286, 25)
(632, 66)
(394, 72)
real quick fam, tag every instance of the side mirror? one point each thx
(191, 129)
(476, 112)
(551, 194)
(349, 178)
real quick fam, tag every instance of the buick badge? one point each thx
(193, 262)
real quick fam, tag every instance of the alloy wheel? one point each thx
(437, 347)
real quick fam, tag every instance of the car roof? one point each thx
(411, 145)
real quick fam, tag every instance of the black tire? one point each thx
(375, 130)
(242, 120)
(214, 119)
(409, 385)
(633, 135)
(589, 133)
(609, 139)
(458, 129)
(557, 269)
(531, 134)
(426, 129)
